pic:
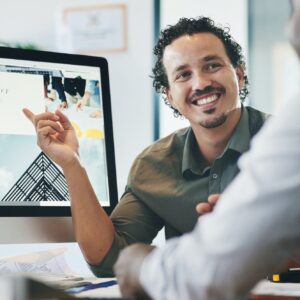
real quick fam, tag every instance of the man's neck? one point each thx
(212, 141)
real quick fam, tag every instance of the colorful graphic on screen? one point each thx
(27, 176)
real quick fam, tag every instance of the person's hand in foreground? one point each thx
(127, 270)
(204, 208)
(55, 136)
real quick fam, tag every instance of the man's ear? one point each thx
(240, 72)
(169, 96)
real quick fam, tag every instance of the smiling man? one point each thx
(203, 85)
(200, 70)
(200, 73)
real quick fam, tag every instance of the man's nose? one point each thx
(201, 81)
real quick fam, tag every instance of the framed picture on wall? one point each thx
(93, 29)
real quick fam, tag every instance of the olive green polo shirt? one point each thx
(166, 182)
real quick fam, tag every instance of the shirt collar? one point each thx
(240, 140)
(193, 163)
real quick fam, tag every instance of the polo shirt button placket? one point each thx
(215, 181)
(215, 176)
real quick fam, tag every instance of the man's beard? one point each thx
(216, 122)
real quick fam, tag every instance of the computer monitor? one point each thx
(34, 198)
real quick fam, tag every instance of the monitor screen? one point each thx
(31, 184)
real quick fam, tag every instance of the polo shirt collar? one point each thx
(193, 162)
(240, 140)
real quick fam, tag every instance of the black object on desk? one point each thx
(292, 276)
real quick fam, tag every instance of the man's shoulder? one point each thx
(170, 143)
(257, 119)
(253, 112)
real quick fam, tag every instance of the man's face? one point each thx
(294, 26)
(203, 84)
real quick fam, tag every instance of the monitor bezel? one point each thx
(80, 60)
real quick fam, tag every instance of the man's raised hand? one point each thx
(55, 136)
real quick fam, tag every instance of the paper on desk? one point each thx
(49, 266)
(266, 287)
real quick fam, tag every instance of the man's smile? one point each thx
(206, 100)
(207, 103)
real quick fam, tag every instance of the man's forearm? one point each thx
(94, 230)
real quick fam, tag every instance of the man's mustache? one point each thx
(208, 89)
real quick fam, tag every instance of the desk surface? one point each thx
(265, 287)
(265, 290)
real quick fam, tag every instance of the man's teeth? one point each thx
(206, 100)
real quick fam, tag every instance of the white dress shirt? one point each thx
(254, 227)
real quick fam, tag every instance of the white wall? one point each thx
(232, 13)
(131, 88)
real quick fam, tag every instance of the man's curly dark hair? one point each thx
(191, 26)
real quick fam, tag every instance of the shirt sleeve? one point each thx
(253, 229)
(134, 222)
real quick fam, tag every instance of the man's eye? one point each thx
(212, 67)
(183, 76)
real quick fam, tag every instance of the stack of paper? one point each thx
(48, 266)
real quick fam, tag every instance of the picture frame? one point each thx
(94, 29)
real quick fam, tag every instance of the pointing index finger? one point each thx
(29, 114)
(43, 116)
